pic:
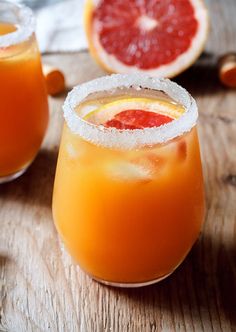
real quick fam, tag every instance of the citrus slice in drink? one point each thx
(160, 38)
(134, 113)
(137, 119)
(138, 113)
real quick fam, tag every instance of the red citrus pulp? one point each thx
(137, 119)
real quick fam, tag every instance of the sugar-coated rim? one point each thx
(25, 28)
(129, 139)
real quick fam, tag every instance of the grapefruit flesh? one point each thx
(155, 36)
(137, 119)
(153, 32)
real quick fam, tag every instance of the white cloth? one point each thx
(60, 27)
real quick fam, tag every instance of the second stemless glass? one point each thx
(24, 107)
(128, 204)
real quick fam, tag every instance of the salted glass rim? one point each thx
(25, 28)
(129, 138)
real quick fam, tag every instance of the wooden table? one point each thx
(41, 289)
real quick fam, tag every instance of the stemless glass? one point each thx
(24, 106)
(128, 204)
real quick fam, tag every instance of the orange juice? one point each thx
(24, 108)
(127, 211)
(6, 28)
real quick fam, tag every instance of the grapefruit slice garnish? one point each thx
(137, 119)
(160, 38)
(135, 113)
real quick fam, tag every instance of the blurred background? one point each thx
(58, 22)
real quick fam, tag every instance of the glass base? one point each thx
(132, 284)
(13, 176)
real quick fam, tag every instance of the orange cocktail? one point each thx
(128, 197)
(24, 108)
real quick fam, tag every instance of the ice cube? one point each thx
(128, 171)
(182, 150)
(72, 152)
(175, 151)
(151, 161)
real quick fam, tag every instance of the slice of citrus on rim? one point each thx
(135, 113)
(160, 38)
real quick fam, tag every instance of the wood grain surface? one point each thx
(42, 289)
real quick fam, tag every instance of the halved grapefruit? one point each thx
(156, 37)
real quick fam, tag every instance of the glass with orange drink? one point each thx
(24, 108)
(128, 198)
